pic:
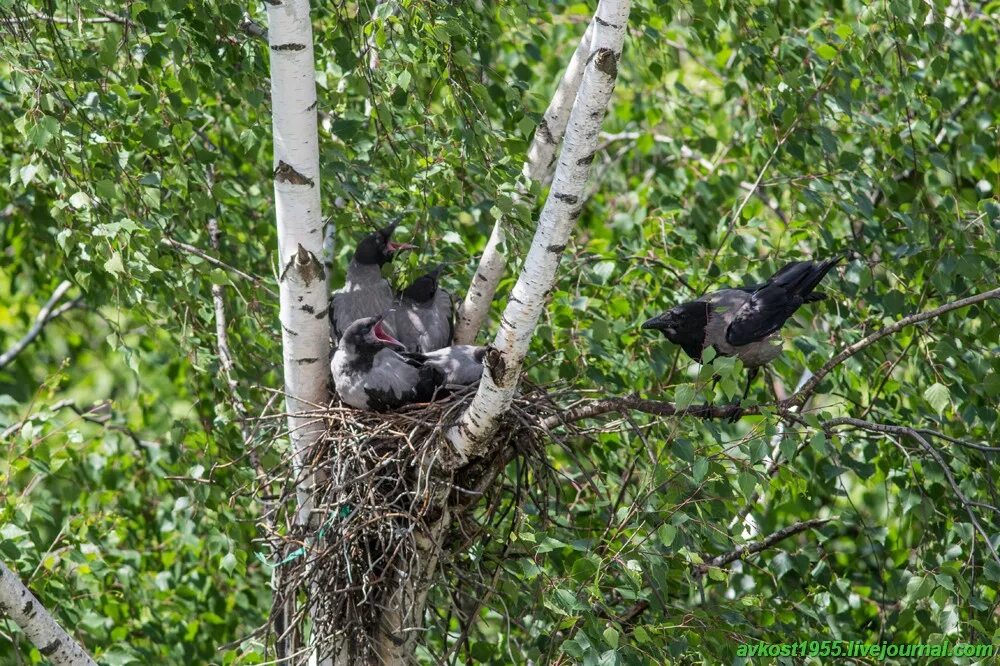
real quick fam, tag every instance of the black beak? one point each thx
(656, 323)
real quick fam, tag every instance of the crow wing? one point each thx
(770, 306)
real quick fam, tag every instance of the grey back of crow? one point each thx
(744, 322)
(365, 292)
(459, 365)
(422, 315)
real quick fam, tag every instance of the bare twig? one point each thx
(191, 249)
(633, 402)
(45, 315)
(810, 386)
(758, 546)
(927, 446)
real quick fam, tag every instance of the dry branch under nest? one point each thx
(385, 496)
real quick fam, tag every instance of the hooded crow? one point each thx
(365, 292)
(744, 321)
(422, 317)
(459, 365)
(370, 374)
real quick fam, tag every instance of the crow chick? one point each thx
(459, 365)
(365, 292)
(369, 374)
(422, 316)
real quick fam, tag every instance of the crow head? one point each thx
(377, 247)
(683, 325)
(424, 287)
(369, 335)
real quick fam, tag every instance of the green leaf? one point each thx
(938, 396)
(114, 265)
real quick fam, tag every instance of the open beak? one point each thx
(396, 247)
(384, 336)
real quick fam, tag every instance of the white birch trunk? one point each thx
(562, 208)
(305, 329)
(476, 306)
(538, 167)
(18, 603)
(548, 136)
(303, 291)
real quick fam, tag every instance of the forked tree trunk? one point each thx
(303, 291)
(538, 167)
(562, 207)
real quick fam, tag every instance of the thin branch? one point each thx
(37, 622)
(914, 434)
(758, 546)
(45, 315)
(191, 249)
(810, 386)
(633, 402)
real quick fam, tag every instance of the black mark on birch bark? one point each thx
(308, 308)
(289, 331)
(303, 361)
(480, 276)
(605, 61)
(312, 107)
(586, 159)
(50, 648)
(555, 249)
(545, 132)
(27, 608)
(288, 47)
(566, 198)
(496, 366)
(322, 313)
(286, 173)
(601, 21)
(575, 213)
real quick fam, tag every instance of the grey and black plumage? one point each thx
(369, 373)
(423, 314)
(365, 292)
(459, 365)
(744, 321)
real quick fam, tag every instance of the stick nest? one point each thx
(388, 505)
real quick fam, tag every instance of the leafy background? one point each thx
(870, 129)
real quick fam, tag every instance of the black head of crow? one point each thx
(423, 289)
(378, 248)
(743, 321)
(369, 373)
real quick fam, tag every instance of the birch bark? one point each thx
(305, 329)
(303, 291)
(538, 167)
(562, 208)
(17, 602)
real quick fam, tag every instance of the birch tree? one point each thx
(616, 513)
(562, 208)
(38, 625)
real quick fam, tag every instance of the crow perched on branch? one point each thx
(744, 321)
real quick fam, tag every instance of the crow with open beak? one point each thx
(422, 316)
(744, 321)
(365, 292)
(369, 373)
